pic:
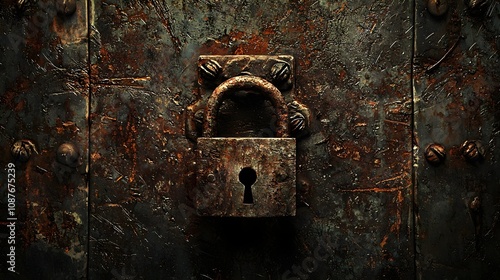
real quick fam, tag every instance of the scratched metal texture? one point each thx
(455, 101)
(354, 182)
(44, 89)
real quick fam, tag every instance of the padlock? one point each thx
(245, 177)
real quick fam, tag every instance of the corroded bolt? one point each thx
(280, 73)
(472, 150)
(22, 150)
(210, 70)
(68, 154)
(211, 178)
(21, 4)
(437, 7)
(435, 154)
(475, 204)
(199, 116)
(297, 122)
(476, 5)
(66, 7)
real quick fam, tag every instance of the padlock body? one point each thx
(219, 191)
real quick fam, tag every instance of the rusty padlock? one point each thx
(245, 177)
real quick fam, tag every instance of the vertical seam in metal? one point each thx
(89, 122)
(413, 136)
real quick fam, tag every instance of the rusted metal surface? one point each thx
(457, 105)
(222, 192)
(381, 129)
(354, 192)
(44, 86)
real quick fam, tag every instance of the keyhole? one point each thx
(247, 177)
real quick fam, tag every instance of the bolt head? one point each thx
(473, 151)
(211, 178)
(210, 70)
(22, 150)
(69, 155)
(475, 204)
(280, 73)
(437, 7)
(66, 7)
(476, 5)
(435, 154)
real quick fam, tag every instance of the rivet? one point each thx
(435, 154)
(280, 73)
(68, 154)
(22, 150)
(66, 7)
(476, 5)
(437, 7)
(21, 5)
(475, 204)
(210, 70)
(211, 178)
(473, 151)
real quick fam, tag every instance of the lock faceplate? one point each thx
(219, 190)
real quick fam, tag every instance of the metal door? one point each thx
(95, 97)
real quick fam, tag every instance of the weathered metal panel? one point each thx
(44, 102)
(224, 189)
(354, 190)
(456, 88)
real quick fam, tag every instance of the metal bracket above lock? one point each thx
(277, 69)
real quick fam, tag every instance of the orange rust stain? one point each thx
(342, 8)
(384, 241)
(342, 75)
(131, 147)
(105, 57)
(95, 156)
(397, 224)
(20, 106)
(373, 190)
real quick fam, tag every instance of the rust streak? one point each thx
(390, 179)
(374, 190)
(396, 122)
(136, 82)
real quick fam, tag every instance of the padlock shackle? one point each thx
(254, 83)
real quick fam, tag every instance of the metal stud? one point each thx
(69, 155)
(22, 150)
(280, 73)
(66, 7)
(435, 154)
(437, 7)
(210, 70)
(473, 151)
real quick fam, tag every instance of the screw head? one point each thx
(22, 150)
(435, 154)
(211, 178)
(280, 73)
(476, 5)
(66, 7)
(69, 155)
(437, 7)
(210, 70)
(473, 151)
(475, 204)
